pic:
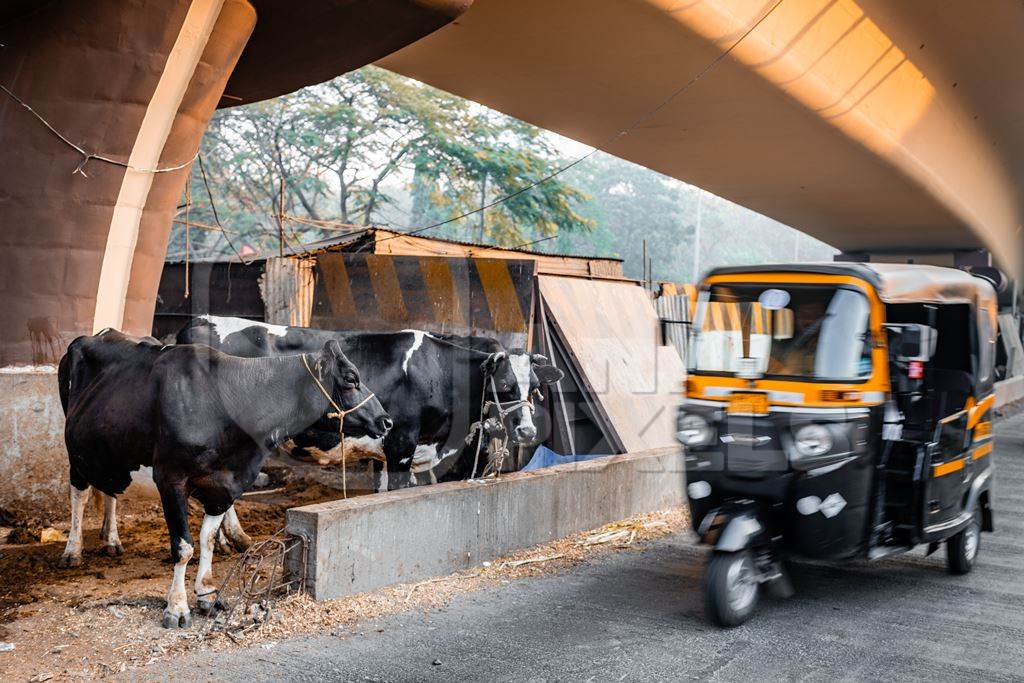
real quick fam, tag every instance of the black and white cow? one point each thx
(432, 385)
(204, 421)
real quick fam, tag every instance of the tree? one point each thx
(630, 203)
(347, 148)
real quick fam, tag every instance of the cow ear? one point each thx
(491, 364)
(548, 374)
(333, 352)
(340, 363)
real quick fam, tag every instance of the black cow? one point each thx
(204, 421)
(432, 386)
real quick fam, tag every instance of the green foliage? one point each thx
(630, 203)
(347, 148)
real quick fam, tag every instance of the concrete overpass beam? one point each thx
(136, 82)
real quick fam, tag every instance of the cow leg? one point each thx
(399, 448)
(379, 475)
(221, 542)
(72, 556)
(206, 592)
(175, 504)
(231, 534)
(429, 459)
(108, 532)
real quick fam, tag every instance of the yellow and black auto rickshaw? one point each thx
(836, 411)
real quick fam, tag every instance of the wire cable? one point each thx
(86, 156)
(216, 217)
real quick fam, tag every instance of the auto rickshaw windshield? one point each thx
(816, 332)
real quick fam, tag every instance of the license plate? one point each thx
(748, 403)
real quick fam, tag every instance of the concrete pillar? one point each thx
(133, 81)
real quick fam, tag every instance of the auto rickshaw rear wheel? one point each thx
(962, 548)
(731, 588)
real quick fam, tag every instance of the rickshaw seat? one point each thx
(950, 390)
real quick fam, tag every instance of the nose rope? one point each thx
(513, 405)
(340, 414)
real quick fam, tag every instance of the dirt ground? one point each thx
(82, 621)
(103, 618)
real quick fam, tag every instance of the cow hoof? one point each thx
(69, 561)
(209, 607)
(172, 620)
(113, 550)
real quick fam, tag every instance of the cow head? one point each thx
(348, 391)
(518, 376)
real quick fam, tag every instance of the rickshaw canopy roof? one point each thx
(895, 283)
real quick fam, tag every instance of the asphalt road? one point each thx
(639, 616)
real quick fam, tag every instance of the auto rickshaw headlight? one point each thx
(694, 430)
(813, 439)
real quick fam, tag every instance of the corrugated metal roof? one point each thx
(894, 282)
(336, 242)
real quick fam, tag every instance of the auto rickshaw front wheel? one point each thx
(731, 588)
(962, 548)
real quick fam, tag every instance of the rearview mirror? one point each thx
(912, 341)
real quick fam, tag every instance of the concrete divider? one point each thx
(1009, 392)
(364, 543)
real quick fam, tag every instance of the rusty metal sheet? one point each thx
(228, 289)
(612, 332)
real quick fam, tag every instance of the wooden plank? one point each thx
(612, 332)
(287, 289)
(673, 309)
(381, 293)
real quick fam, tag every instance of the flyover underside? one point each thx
(871, 125)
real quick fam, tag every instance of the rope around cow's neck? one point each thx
(504, 409)
(340, 414)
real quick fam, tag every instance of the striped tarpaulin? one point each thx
(375, 292)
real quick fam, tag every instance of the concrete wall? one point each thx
(364, 543)
(33, 459)
(33, 462)
(135, 82)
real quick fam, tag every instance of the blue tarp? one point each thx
(545, 457)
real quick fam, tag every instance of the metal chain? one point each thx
(256, 578)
